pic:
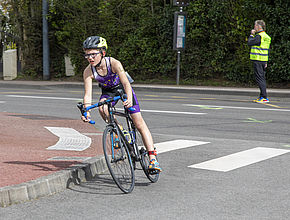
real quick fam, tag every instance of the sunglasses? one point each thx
(93, 55)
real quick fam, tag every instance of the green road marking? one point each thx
(206, 107)
(286, 145)
(257, 121)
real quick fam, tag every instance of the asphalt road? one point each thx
(229, 124)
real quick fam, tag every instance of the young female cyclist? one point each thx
(111, 76)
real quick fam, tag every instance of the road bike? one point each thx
(123, 146)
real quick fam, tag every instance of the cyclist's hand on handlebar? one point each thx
(87, 118)
(128, 103)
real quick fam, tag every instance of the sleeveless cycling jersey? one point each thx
(110, 84)
(108, 81)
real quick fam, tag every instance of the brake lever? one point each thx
(83, 112)
(124, 98)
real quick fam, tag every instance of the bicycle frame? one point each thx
(131, 129)
(131, 149)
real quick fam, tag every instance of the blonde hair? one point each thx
(261, 23)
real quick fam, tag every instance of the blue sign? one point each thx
(179, 31)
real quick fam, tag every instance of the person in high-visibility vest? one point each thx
(260, 46)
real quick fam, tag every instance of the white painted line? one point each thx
(93, 134)
(2, 101)
(69, 139)
(176, 145)
(240, 159)
(170, 112)
(174, 112)
(42, 97)
(69, 158)
(244, 108)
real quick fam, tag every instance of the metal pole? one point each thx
(46, 73)
(178, 60)
(178, 67)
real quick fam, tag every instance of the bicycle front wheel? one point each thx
(118, 160)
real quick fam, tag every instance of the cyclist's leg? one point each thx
(147, 139)
(103, 110)
(144, 131)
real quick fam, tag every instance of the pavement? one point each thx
(29, 170)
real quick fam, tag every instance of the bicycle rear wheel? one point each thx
(153, 177)
(118, 160)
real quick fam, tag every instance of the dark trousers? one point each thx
(260, 74)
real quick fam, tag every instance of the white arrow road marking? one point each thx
(176, 145)
(240, 159)
(69, 139)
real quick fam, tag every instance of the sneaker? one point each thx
(261, 100)
(154, 165)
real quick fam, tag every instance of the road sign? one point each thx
(179, 30)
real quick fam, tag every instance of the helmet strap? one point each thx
(99, 64)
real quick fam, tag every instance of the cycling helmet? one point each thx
(95, 42)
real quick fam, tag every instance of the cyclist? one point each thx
(111, 76)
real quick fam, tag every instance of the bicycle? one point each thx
(122, 151)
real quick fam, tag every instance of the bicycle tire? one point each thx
(118, 160)
(145, 159)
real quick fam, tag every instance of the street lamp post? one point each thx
(46, 73)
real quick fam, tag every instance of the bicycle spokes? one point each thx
(118, 160)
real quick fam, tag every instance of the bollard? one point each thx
(10, 64)
(69, 70)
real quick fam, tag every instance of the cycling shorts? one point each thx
(108, 93)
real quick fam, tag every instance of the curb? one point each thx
(283, 93)
(53, 183)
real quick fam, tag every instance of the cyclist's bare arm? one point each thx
(117, 67)
(88, 81)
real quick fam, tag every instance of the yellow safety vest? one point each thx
(261, 53)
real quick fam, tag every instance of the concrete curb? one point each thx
(53, 183)
(212, 90)
(155, 88)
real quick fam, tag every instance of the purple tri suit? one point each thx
(110, 85)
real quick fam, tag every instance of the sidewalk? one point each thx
(155, 88)
(30, 171)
